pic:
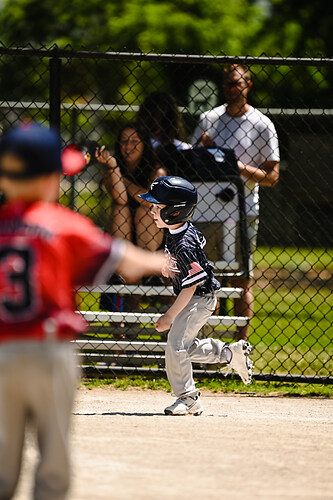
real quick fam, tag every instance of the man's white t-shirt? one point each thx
(253, 138)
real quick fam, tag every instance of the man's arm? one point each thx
(165, 321)
(267, 175)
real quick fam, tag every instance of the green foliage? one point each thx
(190, 25)
(299, 28)
(231, 26)
(228, 26)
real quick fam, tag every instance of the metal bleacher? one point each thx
(101, 348)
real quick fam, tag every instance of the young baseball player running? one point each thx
(173, 203)
(45, 251)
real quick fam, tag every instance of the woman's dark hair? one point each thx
(158, 116)
(148, 160)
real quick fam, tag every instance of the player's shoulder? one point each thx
(192, 230)
(58, 218)
(213, 114)
(197, 236)
(188, 239)
(258, 117)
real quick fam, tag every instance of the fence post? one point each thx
(54, 96)
(74, 133)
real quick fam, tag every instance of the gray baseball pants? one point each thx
(37, 381)
(183, 347)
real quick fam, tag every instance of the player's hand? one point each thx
(163, 323)
(243, 169)
(165, 270)
(206, 140)
(103, 156)
(170, 269)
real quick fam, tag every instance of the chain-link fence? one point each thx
(227, 124)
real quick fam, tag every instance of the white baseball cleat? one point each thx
(240, 361)
(187, 405)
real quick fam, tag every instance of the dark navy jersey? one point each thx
(186, 246)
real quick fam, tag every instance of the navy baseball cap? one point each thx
(37, 146)
(40, 150)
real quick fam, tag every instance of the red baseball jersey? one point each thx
(46, 250)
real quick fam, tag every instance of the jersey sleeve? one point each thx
(94, 255)
(191, 272)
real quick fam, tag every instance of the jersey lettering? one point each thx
(16, 294)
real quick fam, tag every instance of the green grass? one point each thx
(125, 381)
(294, 258)
(292, 331)
(215, 385)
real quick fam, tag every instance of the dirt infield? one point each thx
(124, 448)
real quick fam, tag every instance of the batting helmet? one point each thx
(179, 196)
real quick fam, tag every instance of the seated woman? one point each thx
(129, 173)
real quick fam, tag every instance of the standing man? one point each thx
(46, 251)
(252, 135)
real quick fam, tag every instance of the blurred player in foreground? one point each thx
(173, 203)
(45, 251)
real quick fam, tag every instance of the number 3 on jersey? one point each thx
(17, 302)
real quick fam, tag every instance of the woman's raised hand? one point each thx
(103, 156)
